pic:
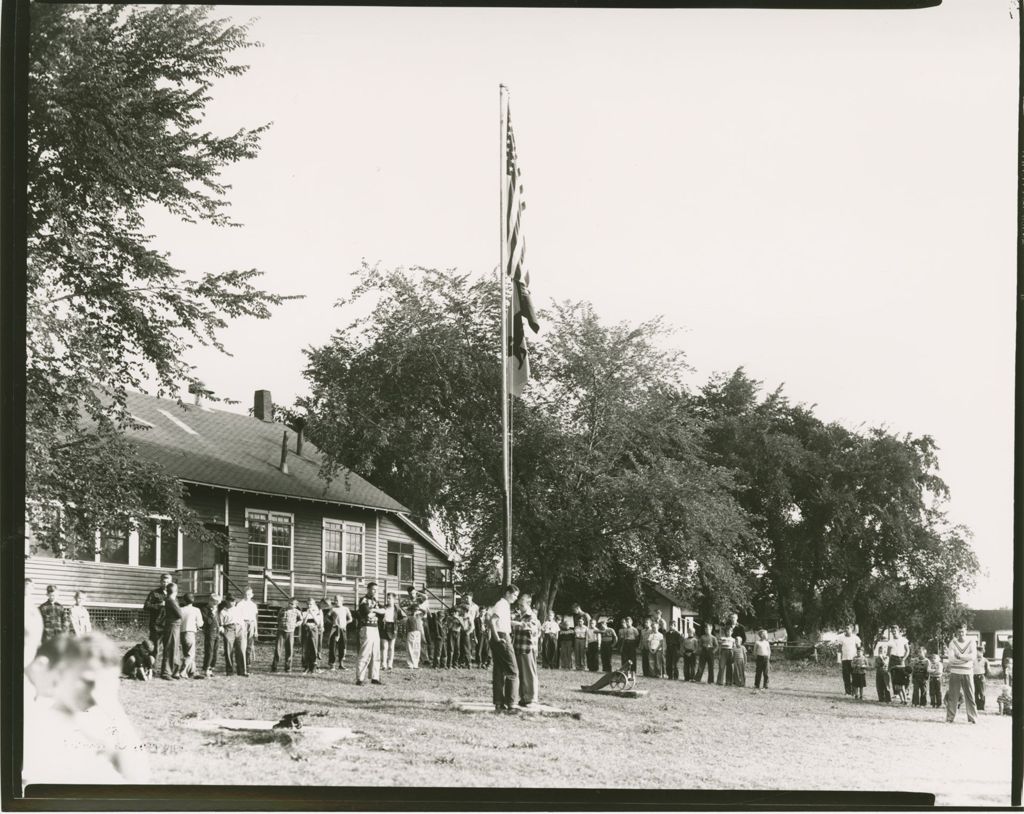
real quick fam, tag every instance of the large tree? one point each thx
(850, 524)
(117, 98)
(608, 476)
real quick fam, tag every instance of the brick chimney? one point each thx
(263, 406)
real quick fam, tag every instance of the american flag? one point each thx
(521, 307)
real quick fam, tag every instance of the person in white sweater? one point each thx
(961, 654)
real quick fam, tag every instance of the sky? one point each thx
(824, 197)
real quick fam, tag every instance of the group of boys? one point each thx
(579, 641)
(897, 670)
(451, 638)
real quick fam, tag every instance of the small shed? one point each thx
(994, 627)
(673, 609)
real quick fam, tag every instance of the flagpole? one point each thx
(506, 452)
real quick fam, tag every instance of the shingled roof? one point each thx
(209, 446)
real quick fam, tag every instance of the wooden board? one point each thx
(617, 693)
(533, 709)
(252, 725)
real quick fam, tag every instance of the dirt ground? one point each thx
(802, 733)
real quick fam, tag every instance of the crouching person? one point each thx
(138, 662)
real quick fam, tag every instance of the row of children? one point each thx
(963, 673)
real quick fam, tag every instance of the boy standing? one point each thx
(580, 642)
(899, 650)
(645, 647)
(608, 639)
(673, 645)
(337, 642)
(413, 633)
(566, 643)
(312, 634)
(858, 671)
(689, 648)
(211, 633)
(191, 624)
(935, 680)
(55, 615)
(708, 644)
(919, 677)
(882, 670)
(549, 641)
(593, 646)
(980, 671)
(656, 647)
(81, 624)
(247, 611)
(524, 643)
(288, 620)
(234, 639)
(629, 636)
(762, 658)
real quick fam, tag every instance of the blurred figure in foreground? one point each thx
(77, 731)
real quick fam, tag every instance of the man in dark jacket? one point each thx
(170, 667)
(155, 605)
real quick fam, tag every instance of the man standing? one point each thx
(368, 616)
(154, 606)
(848, 644)
(247, 611)
(524, 641)
(55, 616)
(505, 678)
(579, 616)
(472, 612)
(340, 618)
(962, 653)
(170, 667)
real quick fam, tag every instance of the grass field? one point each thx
(803, 733)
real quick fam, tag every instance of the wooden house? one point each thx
(286, 531)
(674, 610)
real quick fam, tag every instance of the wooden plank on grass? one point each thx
(533, 709)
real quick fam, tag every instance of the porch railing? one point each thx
(201, 581)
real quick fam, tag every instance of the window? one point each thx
(438, 576)
(148, 541)
(270, 540)
(400, 561)
(168, 537)
(114, 545)
(343, 548)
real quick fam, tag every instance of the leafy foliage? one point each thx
(117, 96)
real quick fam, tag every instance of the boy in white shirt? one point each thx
(656, 647)
(762, 658)
(247, 611)
(81, 624)
(191, 624)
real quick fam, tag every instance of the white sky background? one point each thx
(824, 197)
